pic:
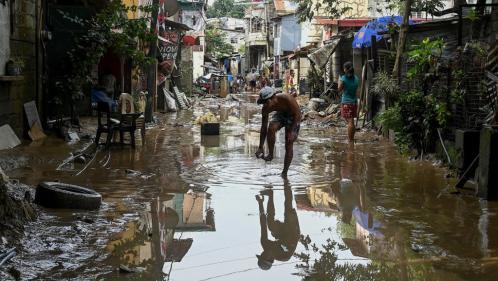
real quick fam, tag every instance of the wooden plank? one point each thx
(36, 132)
(492, 76)
(9, 139)
(32, 114)
(465, 176)
(7, 78)
(362, 89)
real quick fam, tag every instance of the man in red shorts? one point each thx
(348, 86)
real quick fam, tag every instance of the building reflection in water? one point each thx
(360, 231)
(156, 237)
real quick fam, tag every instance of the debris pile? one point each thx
(318, 110)
(207, 118)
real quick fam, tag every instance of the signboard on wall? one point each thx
(168, 50)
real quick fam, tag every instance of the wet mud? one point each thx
(182, 206)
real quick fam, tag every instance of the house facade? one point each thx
(258, 34)
(235, 29)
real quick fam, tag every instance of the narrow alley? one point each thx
(188, 210)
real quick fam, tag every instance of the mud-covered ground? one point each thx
(182, 206)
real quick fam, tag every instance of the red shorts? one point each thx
(348, 110)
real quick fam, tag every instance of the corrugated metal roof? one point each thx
(357, 22)
(285, 6)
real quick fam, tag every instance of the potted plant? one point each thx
(14, 66)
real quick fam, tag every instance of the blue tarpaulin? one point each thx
(375, 27)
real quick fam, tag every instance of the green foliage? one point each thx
(473, 16)
(416, 116)
(428, 6)
(225, 8)
(384, 86)
(415, 119)
(109, 29)
(307, 9)
(315, 81)
(18, 61)
(321, 262)
(242, 49)
(425, 56)
(391, 119)
(216, 43)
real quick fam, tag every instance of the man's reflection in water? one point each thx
(346, 195)
(286, 233)
(354, 201)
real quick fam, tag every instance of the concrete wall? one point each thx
(310, 33)
(197, 62)
(22, 43)
(186, 70)
(290, 35)
(235, 38)
(4, 36)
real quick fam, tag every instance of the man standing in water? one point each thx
(287, 114)
(348, 86)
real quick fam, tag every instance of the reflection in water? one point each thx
(286, 233)
(366, 212)
(157, 237)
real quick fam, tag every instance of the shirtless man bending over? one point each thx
(287, 114)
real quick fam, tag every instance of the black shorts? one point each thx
(252, 83)
(286, 121)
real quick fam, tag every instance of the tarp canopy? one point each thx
(375, 27)
(321, 56)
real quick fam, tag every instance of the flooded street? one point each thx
(204, 208)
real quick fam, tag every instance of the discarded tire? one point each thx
(67, 196)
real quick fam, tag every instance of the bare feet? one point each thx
(284, 175)
(259, 154)
(259, 198)
(268, 158)
(267, 191)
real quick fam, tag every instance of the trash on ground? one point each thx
(134, 173)
(66, 196)
(126, 269)
(9, 139)
(5, 257)
(207, 118)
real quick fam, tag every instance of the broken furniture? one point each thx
(128, 124)
(105, 124)
(127, 106)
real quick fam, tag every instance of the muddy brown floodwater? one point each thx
(192, 212)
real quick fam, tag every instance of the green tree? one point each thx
(225, 8)
(216, 42)
(108, 29)
(307, 9)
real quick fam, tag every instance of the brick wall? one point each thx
(22, 44)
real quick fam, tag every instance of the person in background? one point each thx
(109, 84)
(252, 81)
(292, 84)
(348, 87)
(247, 78)
(286, 80)
(230, 82)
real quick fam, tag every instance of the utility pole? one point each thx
(152, 69)
(402, 38)
(267, 29)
